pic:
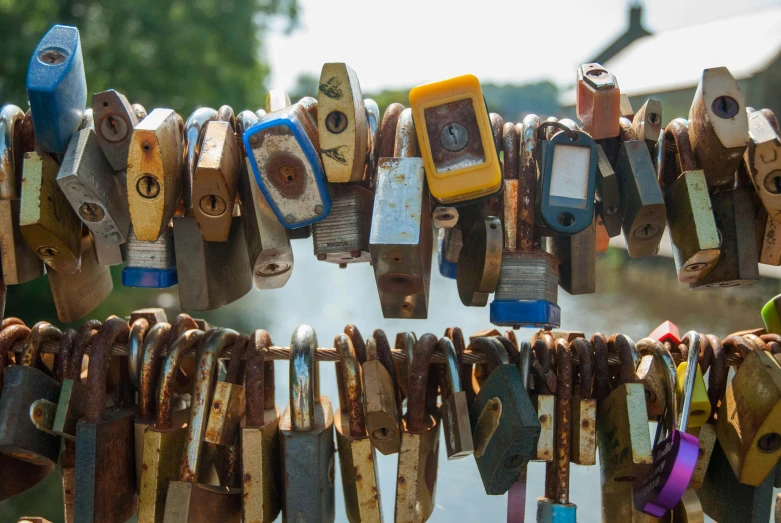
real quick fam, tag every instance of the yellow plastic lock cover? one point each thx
(700, 406)
(455, 139)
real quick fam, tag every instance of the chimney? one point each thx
(636, 16)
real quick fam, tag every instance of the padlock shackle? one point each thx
(181, 346)
(358, 344)
(585, 367)
(113, 330)
(510, 150)
(244, 120)
(561, 458)
(452, 375)
(64, 353)
(11, 116)
(225, 114)
(194, 129)
(181, 324)
(348, 381)
(387, 139)
(497, 126)
(525, 362)
(546, 382)
(627, 133)
(602, 388)
(513, 355)
(135, 342)
(84, 337)
(410, 341)
(41, 332)
(418, 383)
(456, 335)
(255, 387)
(150, 370)
(8, 337)
(406, 145)
(385, 357)
(309, 105)
(669, 375)
(302, 379)
(571, 124)
(693, 340)
(372, 111)
(771, 119)
(676, 135)
(234, 374)
(628, 357)
(717, 379)
(201, 400)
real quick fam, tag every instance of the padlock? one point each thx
(748, 424)
(373, 139)
(268, 244)
(276, 99)
(649, 373)
(215, 181)
(76, 295)
(618, 507)
(48, 224)
(479, 261)
(644, 208)
(718, 125)
(455, 409)
(771, 315)
(343, 236)
(260, 453)
(567, 181)
(105, 461)
(138, 332)
(154, 173)
(194, 130)
(516, 496)
(95, 192)
(57, 88)
(342, 125)
(388, 128)
(114, 119)
(187, 498)
(357, 459)
(163, 441)
(416, 477)
(622, 425)
(608, 197)
(380, 396)
(583, 448)
(148, 379)
(543, 398)
(400, 241)
(456, 139)
(625, 106)
(306, 434)
(598, 103)
(497, 130)
(212, 274)
(763, 162)
(228, 401)
(23, 384)
(768, 232)
(693, 233)
(700, 406)
(674, 456)
(727, 500)
(577, 256)
(556, 506)
(505, 424)
(647, 124)
(151, 264)
(527, 289)
(449, 247)
(284, 155)
(19, 263)
(734, 211)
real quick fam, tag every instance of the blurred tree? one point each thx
(178, 54)
(306, 85)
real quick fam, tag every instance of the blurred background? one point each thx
(183, 55)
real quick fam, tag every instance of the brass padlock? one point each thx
(115, 119)
(583, 448)
(188, 499)
(400, 241)
(693, 232)
(194, 128)
(268, 243)
(306, 433)
(763, 162)
(647, 123)
(154, 172)
(598, 101)
(341, 122)
(357, 459)
(48, 224)
(718, 125)
(416, 477)
(381, 404)
(260, 452)
(228, 403)
(163, 441)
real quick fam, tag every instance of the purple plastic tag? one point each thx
(674, 461)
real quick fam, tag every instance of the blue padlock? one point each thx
(57, 88)
(447, 253)
(150, 265)
(284, 154)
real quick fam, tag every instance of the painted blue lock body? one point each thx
(526, 313)
(446, 268)
(568, 167)
(57, 88)
(314, 202)
(149, 278)
(550, 512)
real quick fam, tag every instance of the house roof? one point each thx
(675, 59)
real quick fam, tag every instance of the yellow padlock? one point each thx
(699, 412)
(456, 140)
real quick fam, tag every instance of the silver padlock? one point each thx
(114, 120)
(343, 237)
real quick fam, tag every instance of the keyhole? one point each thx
(336, 122)
(148, 187)
(213, 205)
(52, 56)
(287, 174)
(91, 212)
(113, 129)
(646, 232)
(48, 250)
(454, 137)
(773, 182)
(725, 107)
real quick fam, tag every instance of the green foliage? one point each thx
(178, 54)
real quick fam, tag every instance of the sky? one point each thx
(408, 42)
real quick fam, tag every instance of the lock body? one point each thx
(598, 103)
(115, 119)
(527, 290)
(380, 409)
(608, 197)
(227, 409)
(162, 453)
(416, 479)
(20, 263)
(151, 264)
(763, 163)
(343, 237)
(577, 256)
(357, 462)
(456, 140)
(449, 248)
(584, 431)
(260, 461)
